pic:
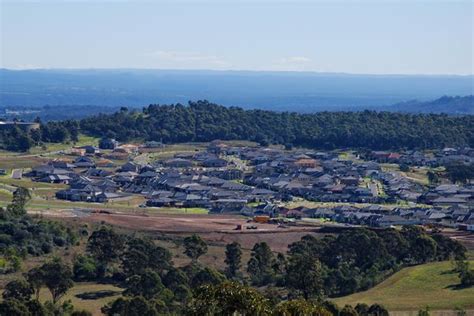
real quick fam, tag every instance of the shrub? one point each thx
(84, 268)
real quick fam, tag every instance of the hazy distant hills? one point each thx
(446, 104)
(280, 91)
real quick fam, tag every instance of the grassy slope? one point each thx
(52, 147)
(416, 287)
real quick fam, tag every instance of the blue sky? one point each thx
(377, 37)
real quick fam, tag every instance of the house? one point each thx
(349, 180)
(216, 147)
(466, 227)
(130, 167)
(126, 148)
(116, 155)
(97, 173)
(55, 178)
(214, 163)
(78, 151)
(90, 149)
(17, 174)
(161, 202)
(383, 156)
(45, 170)
(84, 162)
(61, 164)
(306, 163)
(153, 144)
(178, 163)
(449, 201)
(104, 163)
(449, 151)
(227, 174)
(228, 205)
(392, 220)
(294, 213)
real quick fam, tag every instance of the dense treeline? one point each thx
(296, 283)
(358, 259)
(293, 284)
(22, 236)
(204, 121)
(18, 139)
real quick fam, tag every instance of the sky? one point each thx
(364, 37)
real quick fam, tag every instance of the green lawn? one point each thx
(11, 161)
(175, 210)
(27, 183)
(413, 288)
(52, 147)
(127, 206)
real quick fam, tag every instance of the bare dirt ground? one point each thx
(216, 229)
(174, 223)
(464, 237)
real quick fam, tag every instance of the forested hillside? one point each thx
(311, 271)
(204, 121)
(446, 104)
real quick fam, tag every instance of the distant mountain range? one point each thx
(446, 104)
(280, 91)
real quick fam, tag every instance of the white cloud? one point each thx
(292, 63)
(23, 67)
(293, 60)
(196, 58)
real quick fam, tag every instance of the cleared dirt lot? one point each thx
(173, 223)
(217, 229)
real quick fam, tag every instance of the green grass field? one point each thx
(52, 147)
(413, 288)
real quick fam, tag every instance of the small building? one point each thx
(178, 163)
(76, 151)
(130, 167)
(214, 163)
(84, 162)
(126, 148)
(350, 180)
(90, 149)
(153, 144)
(466, 227)
(306, 163)
(17, 174)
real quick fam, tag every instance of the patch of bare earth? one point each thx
(217, 229)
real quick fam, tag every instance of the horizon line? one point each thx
(234, 70)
